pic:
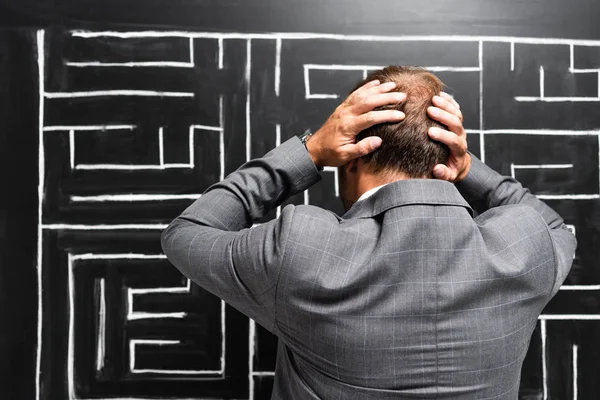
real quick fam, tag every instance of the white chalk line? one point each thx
(67, 128)
(108, 93)
(192, 62)
(130, 167)
(140, 398)
(101, 328)
(223, 337)
(580, 287)
(208, 127)
(575, 373)
(117, 256)
(248, 97)
(569, 317)
(133, 198)
(132, 64)
(263, 373)
(72, 149)
(351, 67)
(542, 81)
(312, 96)
(40, 44)
(221, 54)
(512, 55)
(583, 70)
(515, 167)
(598, 144)
(340, 37)
(306, 83)
(161, 147)
(336, 184)
(550, 132)
(542, 166)
(191, 146)
(133, 344)
(277, 135)
(529, 99)
(481, 137)
(278, 45)
(103, 227)
(251, 345)
(544, 361)
(221, 140)
(139, 315)
(568, 196)
(71, 343)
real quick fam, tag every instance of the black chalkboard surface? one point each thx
(115, 115)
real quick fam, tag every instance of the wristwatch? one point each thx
(304, 138)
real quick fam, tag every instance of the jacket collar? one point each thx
(408, 192)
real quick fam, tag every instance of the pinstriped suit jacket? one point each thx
(406, 296)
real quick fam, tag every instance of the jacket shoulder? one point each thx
(517, 234)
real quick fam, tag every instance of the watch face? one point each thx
(304, 137)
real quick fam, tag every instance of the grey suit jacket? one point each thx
(406, 296)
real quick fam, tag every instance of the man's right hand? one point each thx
(335, 143)
(447, 112)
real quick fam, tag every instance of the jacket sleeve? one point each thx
(214, 244)
(484, 188)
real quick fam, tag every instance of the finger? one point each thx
(377, 100)
(448, 106)
(456, 144)
(441, 171)
(370, 84)
(453, 123)
(365, 87)
(450, 98)
(371, 118)
(362, 148)
(363, 93)
(382, 88)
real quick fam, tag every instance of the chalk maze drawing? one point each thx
(135, 125)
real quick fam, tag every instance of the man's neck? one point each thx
(368, 181)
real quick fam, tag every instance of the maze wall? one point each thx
(135, 125)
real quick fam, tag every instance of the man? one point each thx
(405, 296)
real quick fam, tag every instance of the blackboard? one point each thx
(116, 115)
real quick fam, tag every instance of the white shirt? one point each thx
(370, 192)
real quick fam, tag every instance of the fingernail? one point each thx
(375, 142)
(434, 111)
(389, 85)
(400, 115)
(401, 96)
(438, 98)
(433, 132)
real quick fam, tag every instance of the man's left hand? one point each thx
(335, 143)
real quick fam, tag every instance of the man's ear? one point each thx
(351, 166)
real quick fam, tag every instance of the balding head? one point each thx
(406, 147)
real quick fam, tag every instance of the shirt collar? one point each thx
(370, 192)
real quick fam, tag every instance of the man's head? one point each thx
(406, 151)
